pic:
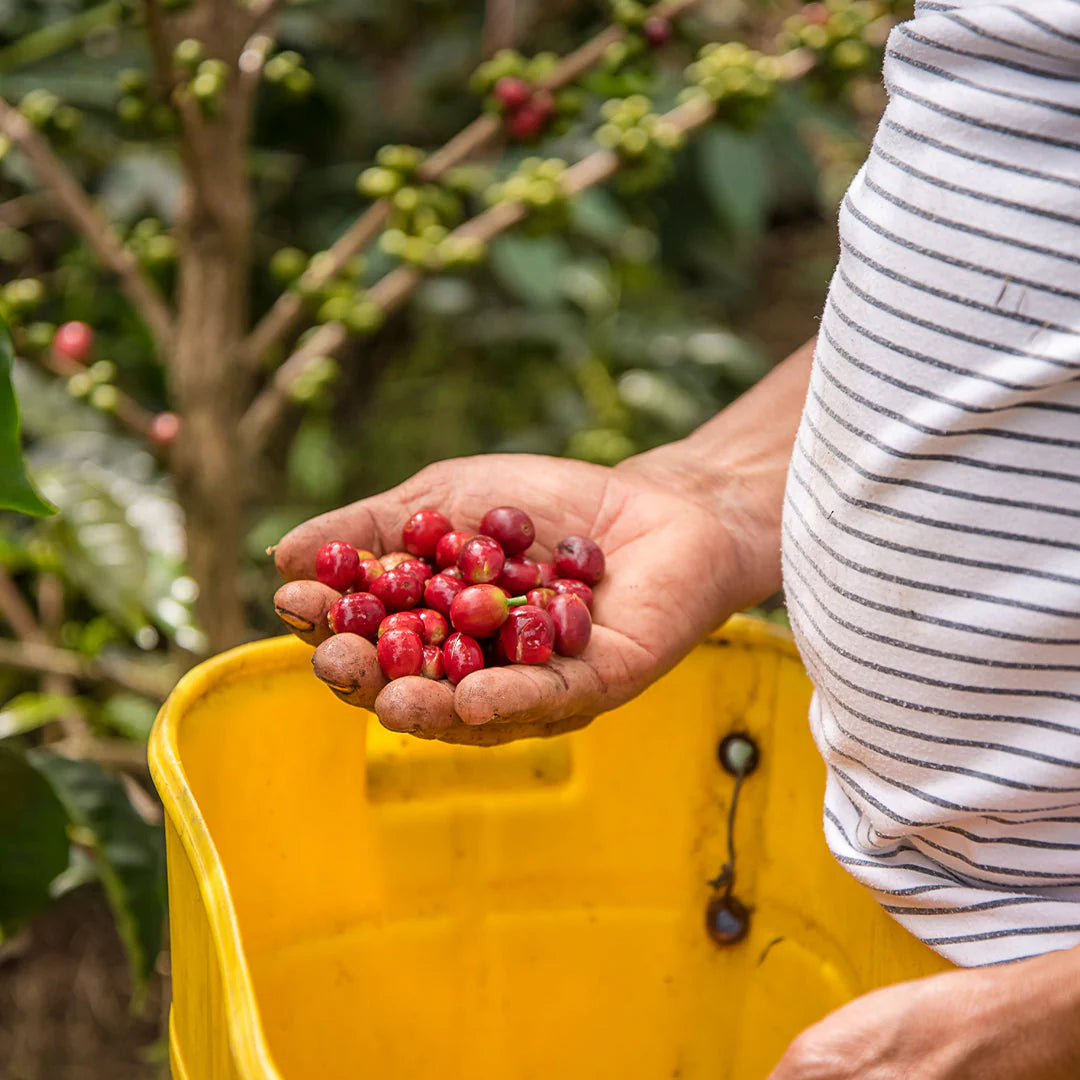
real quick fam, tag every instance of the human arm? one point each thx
(690, 531)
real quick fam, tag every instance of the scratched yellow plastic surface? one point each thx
(348, 903)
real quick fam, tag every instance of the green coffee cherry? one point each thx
(364, 317)
(377, 183)
(80, 384)
(188, 54)
(23, 294)
(38, 107)
(102, 371)
(335, 309)
(131, 81)
(462, 251)
(287, 264)
(299, 83)
(131, 110)
(104, 397)
(39, 335)
(160, 251)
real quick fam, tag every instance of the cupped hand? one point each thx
(673, 573)
(1019, 1020)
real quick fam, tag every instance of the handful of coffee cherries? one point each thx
(452, 602)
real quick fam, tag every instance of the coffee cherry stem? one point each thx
(517, 601)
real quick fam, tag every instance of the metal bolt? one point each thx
(738, 754)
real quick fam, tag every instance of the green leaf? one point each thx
(33, 838)
(17, 492)
(129, 853)
(531, 267)
(29, 711)
(736, 176)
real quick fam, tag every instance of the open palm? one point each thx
(671, 576)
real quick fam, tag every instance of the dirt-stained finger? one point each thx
(417, 705)
(303, 606)
(348, 664)
(511, 731)
(563, 687)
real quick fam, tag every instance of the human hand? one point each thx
(673, 544)
(1015, 1021)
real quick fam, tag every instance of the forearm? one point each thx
(737, 463)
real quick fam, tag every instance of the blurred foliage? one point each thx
(637, 313)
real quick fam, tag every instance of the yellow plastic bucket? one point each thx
(349, 903)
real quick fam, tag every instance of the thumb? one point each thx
(373, 524)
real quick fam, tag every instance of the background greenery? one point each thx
(637, 318)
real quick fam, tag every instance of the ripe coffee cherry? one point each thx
(573, 624)
(356, 613)
(511, 528)
(164, 429)
(544, 103)
(454, 572)
(439, 592)
(519, 575)
(435, 626)
(817, 14)
(401, 652)
(449, 547)
(579, 558)
(73, 341)
(578, 588)
(336, 565)
(547, 574)
(367, 572)
(397, 590)
(433, 663)
(402, 620)
(540, 597)
(525, 123)
(511, 93)
(657, 31)
(479, 610)
(462, 656)
(528, 636)
(422, 532)
(393, 559)
(417, 568)
(481, 560)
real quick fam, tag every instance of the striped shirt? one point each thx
(932, 516)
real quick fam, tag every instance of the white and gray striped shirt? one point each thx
(932, 517)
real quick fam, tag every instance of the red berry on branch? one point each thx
(541, 597)
(449, 547)
(393, 559)
(367, 572)
(578, 588)
(511, 528)
(525, 124)
(402, 620)
(657, 31)
(357, 613)
(528, 636)
(511, 93)
(440, 590)
(479, 610)
(401, 653)
(164, 429)
(397, 590)
(73, 341)
(481, 560)
(573, 624)
(433, 663)
(462, 656)
(336, 565)
(544, 103)
(436, 627)
(579, 558)
(547, 574)
(422, 532)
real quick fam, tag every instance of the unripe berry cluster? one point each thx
(740, 81)
(152, 245)
(453, 602)
(536, 182)
(286, 70)
(338, 298)
(634, 130)
(846, 36)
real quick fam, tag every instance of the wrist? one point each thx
(735, 467)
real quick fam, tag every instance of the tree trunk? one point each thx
(210, 389)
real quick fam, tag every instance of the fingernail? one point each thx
(294, 621)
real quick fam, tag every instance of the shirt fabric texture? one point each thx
(932, 517)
